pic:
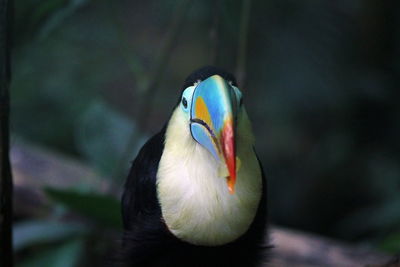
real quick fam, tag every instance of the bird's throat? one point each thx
(192, 189)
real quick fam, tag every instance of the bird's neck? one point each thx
(195, 202)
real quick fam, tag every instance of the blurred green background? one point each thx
(92, 80)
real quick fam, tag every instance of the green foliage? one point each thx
(28, 233)
(58, 243)
(391, 243)
(39, 18)
(103, 136)
(67, 254)
(104, 210)
(57, 77)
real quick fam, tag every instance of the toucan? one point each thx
(196, 192)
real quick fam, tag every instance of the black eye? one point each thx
(184, 102)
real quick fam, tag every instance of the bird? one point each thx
(196, 192)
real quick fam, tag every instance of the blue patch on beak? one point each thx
(213, 104)
(203, 137)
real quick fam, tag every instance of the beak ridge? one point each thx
(213, 122)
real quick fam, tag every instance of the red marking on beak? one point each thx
(228, 149)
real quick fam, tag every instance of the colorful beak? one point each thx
(212, 124)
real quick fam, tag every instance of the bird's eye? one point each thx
(184, 102)
(186, 99)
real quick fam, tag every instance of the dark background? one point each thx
(94, 79)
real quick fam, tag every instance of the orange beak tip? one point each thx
(231, 184)
(231, 190)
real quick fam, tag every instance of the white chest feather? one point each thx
(196, 204)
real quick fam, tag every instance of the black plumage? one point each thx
(147, 240)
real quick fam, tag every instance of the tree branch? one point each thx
(242, 45)
(214, 32)
(6, 250)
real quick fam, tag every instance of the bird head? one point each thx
(211, 102)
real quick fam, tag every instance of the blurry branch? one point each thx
(129, 55)
(145, 104)
(6, 250)
(37, 168)
(214, 32)
(294, 248)
(56, 14)
(242, 44)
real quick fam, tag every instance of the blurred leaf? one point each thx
(103, 209)
(103, 135)
(42, 17)
(66, 255)
(391, 243)
(58, 17)
(56, 78)
(29, 233)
